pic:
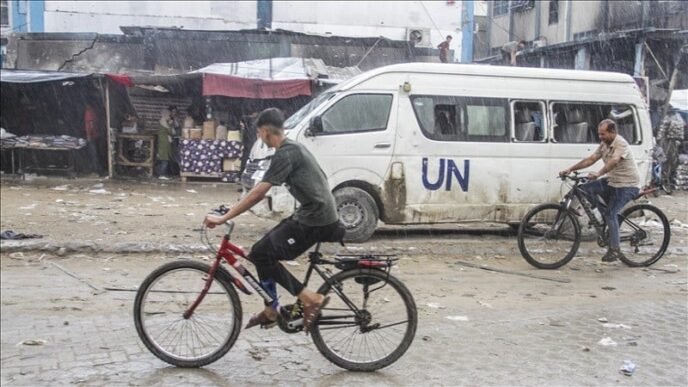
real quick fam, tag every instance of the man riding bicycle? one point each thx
(315, 220)
(619, 187)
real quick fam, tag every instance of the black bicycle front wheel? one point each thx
(207, 334)
(379, 334)
(645, 234)
(548, 236)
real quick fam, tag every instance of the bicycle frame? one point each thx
(578, 193)
(229, 252)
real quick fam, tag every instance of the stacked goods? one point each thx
(209, 130)
(681, 174)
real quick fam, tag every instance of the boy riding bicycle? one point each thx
(314, 221)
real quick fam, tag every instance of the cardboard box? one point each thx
(231, 165)
(196, 133)
(209, 130)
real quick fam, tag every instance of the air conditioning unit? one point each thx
(420, 37)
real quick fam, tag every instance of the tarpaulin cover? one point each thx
(121, 79)
(229, 86)
(32, 76)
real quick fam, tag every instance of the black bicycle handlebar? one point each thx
(574, 176)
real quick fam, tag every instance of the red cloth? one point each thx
(121, 79)
(229, 86)
(90, 123)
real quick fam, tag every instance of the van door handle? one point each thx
(382, 145)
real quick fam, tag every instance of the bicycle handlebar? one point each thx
(574, 176)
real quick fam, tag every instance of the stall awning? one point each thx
(276, 78)
(229, 86)
(32, 76)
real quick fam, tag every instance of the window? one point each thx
(4, 13)
(358, 113)
(553, 11)
(500, 7)
(529, 121)
(475, 119)
(576, 123)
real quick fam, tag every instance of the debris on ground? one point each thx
(616, 326)
(457, 318)
(607, 342)
(435, 305)
(34, 342)
(628, 368)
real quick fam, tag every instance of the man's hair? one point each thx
(609, 125)
(523, 42)
(449, 37)
(272, 119)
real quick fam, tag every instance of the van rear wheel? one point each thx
(358, 212)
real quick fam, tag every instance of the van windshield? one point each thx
(302, 113)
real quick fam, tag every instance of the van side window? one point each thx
(474, 119)
(576, 123)
(358, 113)
(529, 121)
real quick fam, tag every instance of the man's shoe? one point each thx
(610, 256)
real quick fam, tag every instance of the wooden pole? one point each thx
(109, 130)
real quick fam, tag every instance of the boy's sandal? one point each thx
(261, 319)
(311, 313)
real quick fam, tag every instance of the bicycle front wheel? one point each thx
(548, 236)
(644, 232)
(382, 330)
(207, 334)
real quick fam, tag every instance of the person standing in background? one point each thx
(92, 135)
(162, 164)
(444, 49)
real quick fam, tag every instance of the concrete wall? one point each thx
(343, 18)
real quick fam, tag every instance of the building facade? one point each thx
(646, 39)
(427, 22)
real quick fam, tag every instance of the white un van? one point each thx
(423, 143)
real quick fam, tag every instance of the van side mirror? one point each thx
(315, 126)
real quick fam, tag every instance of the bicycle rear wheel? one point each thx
(645, 234)
(548, 236)
(380, 334)
(161, 301)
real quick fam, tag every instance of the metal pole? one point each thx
(467, 27)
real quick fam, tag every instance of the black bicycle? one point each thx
(550, 234)
(189, 314)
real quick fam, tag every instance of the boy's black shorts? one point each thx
(289, 239)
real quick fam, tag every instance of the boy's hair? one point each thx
(272, 119)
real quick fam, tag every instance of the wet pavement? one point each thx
(476, 327)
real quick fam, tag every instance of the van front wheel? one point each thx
(358, 212)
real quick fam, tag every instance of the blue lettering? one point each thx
(440, 176)
(452, 172)
(452, 169)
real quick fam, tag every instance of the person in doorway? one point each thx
(248, 137)
(444, 49)
(176, 123)
(512, 50)
(314, 221)
(164, 132)
(618, 188)
(92, 134)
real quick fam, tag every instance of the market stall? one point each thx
(42, 116)
(212, 126)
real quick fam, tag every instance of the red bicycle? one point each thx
(189, 314)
